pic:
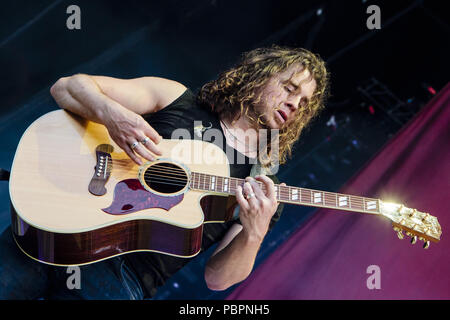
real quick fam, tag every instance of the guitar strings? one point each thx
(356, 203)
(282, 194)
(166, 174)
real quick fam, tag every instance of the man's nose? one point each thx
(294, 102)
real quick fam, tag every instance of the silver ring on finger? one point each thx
(251, 195)
(134, 145)
(144, 141)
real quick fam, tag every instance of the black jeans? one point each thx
(22, 278)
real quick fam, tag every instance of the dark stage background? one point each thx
(380, 79)
(332, 254)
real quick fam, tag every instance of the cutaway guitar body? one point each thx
(77, 198)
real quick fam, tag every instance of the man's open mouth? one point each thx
(282, 115)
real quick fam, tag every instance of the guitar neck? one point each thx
(289, 194)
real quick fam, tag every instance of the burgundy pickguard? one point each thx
(130, 196)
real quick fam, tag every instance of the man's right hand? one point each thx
(133, 134)
(118, 104)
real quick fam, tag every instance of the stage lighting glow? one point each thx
(391, 206)
(431, 90)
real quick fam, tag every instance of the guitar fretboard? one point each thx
(288, 194)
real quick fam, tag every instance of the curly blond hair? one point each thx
(237, 91)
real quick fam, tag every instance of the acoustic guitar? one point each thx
(76, 197)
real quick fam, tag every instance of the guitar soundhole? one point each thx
(165, 177)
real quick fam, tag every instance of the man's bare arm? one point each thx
(119, 104)
(234, 257)
(233, 260)
(94, 93)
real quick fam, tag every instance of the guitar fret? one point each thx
(287, 192)
(317, 197)
(343, 201)
(234, 185)
(194, 180)
(356, 203)
(372, 205)
(329, 199)
(294, 194)
(281, 192)
(228, 185)
(306, 195)
(194, 177)
(213, 183)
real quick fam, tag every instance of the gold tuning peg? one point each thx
(426, 245)
(413, 239)
(399, 232)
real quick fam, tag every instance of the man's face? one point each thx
(283, 95)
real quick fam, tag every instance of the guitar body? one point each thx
(77, 198)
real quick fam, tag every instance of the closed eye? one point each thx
(304, 102)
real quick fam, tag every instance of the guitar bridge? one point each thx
(102, 170)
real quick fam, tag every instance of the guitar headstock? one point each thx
(416, 224)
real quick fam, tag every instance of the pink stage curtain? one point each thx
(328, 256)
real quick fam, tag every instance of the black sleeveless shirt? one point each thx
(153, 269)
